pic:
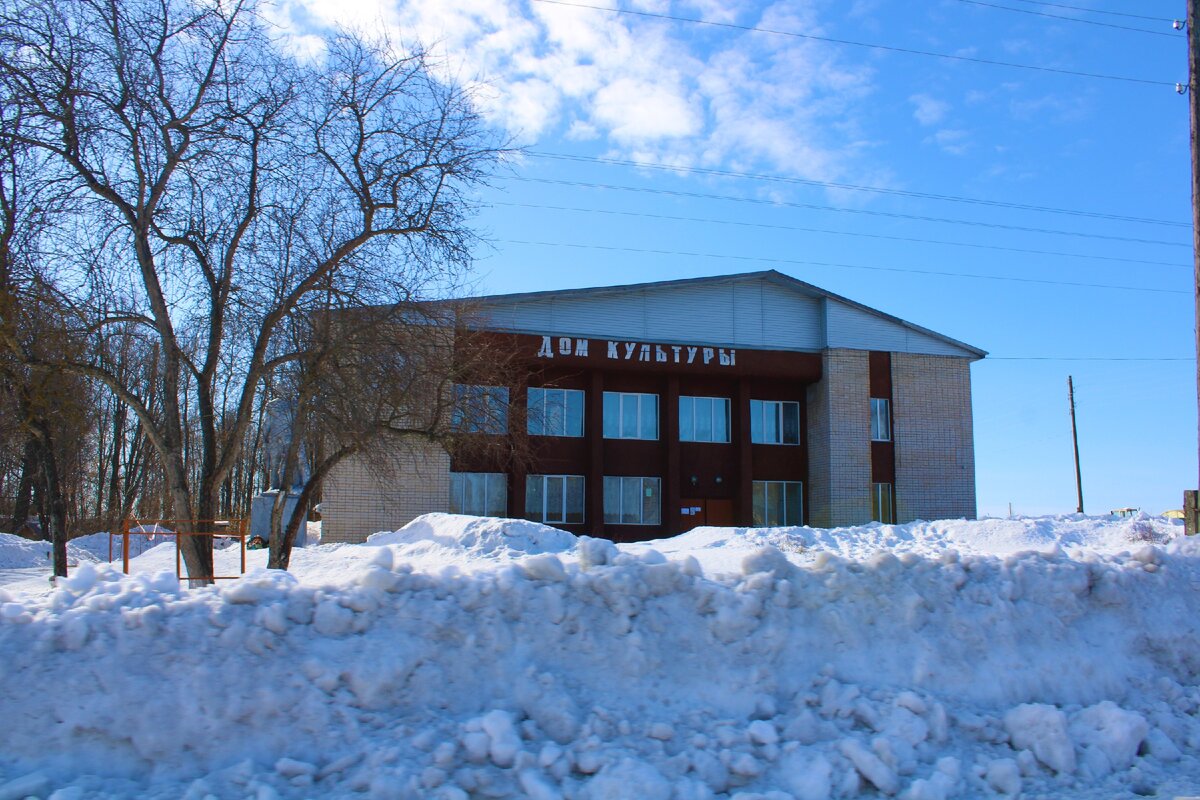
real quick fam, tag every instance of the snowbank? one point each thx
(599, 672)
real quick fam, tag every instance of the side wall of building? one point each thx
(839, 441)
(367, 494)
(934, 435)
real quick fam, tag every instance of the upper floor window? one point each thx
(632, 501)
(774, 422)
(482, 494)
(555, 412)
(480, 409)
(554, 498)
(703, 419)
(881, 419)
(630, 416)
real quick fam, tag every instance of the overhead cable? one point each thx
(800, 262)
(854, 187)
(845, 210)
(852, 43)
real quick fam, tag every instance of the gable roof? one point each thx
(723, 309)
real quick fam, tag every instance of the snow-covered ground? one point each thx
(479, 658)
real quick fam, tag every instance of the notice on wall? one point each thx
(647, 352)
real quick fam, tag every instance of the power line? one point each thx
(1094, 10)
(852, 43)
(1081, 358)
(798, 262)
(854, 187)
(842, 209)
(1070, 19)
(768, 226)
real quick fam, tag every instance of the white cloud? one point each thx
(952, 140)
(927, 110)
(670, 92)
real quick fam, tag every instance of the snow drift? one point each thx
(577, 669)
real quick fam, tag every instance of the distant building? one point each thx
(752, 399)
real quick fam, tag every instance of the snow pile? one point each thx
(17, 552)
(604, 672)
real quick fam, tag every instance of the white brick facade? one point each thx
(364, 495)
(934, 435)
(839, 441)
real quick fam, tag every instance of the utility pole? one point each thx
(1075, 439)
(1191, 515)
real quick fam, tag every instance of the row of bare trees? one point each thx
(196, 220)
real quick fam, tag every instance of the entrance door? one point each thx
(694, 512)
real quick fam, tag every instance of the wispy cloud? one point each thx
(927, 110)
(673, 92)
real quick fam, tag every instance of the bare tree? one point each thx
(231, 182)
(372, 379)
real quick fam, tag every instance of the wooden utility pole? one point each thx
(1075, 440)
(1193, 36)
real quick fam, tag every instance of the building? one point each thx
(751, 399)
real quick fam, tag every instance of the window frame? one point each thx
(619, 514)
(488, 478)
(764, 493)
(877, 498)
(563, 503)
(728, 403)
(780, 426)
(471, 396)
(885, 418)
(566, 405)
(621, 398)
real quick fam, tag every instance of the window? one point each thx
(482, 494)
(631, 501)
(630, 416)
(883, 507)
(774, 422)
(703, 419)
(556, 412)
(881, 419)
(778, 503)
(480, 409)
(554, 498)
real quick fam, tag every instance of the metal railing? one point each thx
(218, 529)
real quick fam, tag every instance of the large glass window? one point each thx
(632, 501)
(554, 498)
(703, 419)
(555, 412)
(778, 503)
(774, 422)
(881, 419)
(482, 494)
(630, 416)
(883, 506)
(480, 409)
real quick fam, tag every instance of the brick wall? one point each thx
(839, 441)
(935, 446)
(384, 491)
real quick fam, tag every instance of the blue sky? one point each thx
(592, 93)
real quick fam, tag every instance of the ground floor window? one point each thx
(554, 498)
(482, 494)
(883, 506)
(632, 501)
(778, 503)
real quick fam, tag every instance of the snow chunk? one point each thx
(1114, 731)
(615, 782)
(1042, 729)
(870, 766)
